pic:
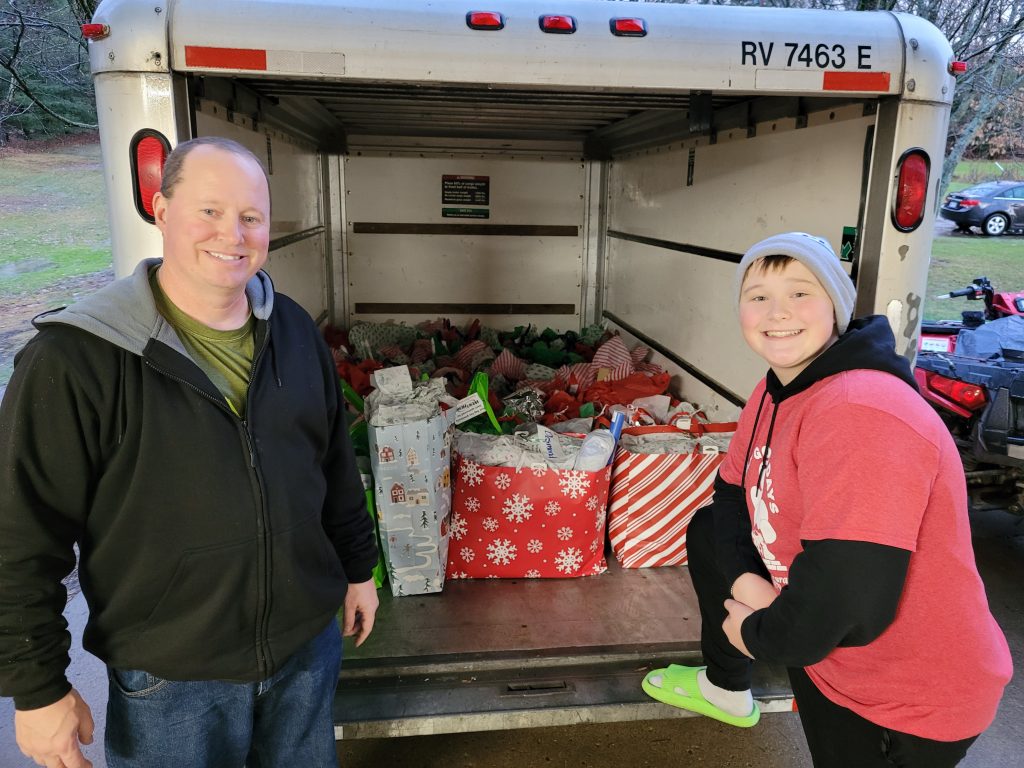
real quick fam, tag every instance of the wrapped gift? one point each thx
(661, 476)
(527, 522)
(410, 453)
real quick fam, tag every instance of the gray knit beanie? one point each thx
(815, 254)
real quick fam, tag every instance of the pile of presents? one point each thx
(489, 454)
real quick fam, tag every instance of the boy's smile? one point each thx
(786, 316)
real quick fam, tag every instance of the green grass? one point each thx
(971, 172)
(957, 260)
(53, 220)
(53, 236)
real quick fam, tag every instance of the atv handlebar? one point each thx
(969, 291)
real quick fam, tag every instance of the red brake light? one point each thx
(149, 150)
(561, 25)
(957, 67)
(969, 202)
(485, 20)
(95, 31)
(629, 27)
(970, 396)
(911, 190)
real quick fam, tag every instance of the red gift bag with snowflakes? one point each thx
(527, 522)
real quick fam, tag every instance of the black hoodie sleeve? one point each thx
(840, 594)
(49, 449)
(734, 548)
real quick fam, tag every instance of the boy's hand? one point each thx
(50, 735)
(737, 613)
(753, 590)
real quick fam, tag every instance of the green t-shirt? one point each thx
(224, 356)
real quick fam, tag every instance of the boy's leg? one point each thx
(155, 723)
(728, 668)
(294, 711)
(840, 738)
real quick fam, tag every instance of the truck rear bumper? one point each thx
(419, 705)
(496, 654)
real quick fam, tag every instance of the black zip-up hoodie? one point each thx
(211, 547)
(821, 608)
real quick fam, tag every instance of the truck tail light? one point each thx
(629, 27)
(149, 150)
(488, 20)
(911, 190)
(95, 31)
(969, 396)
(957, 67)
(559, 25)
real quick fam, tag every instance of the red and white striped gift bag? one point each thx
(654, 495)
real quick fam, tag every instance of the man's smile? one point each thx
(226, 256)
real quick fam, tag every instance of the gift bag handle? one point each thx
(479, 385)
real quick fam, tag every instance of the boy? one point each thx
(838, 541)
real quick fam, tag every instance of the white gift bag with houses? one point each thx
(411, 464)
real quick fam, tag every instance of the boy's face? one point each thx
(786, 316)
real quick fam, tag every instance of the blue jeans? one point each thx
(286, 720)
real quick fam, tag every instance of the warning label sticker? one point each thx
(465, 190)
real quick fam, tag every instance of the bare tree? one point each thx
(43, 65)
(987, 35)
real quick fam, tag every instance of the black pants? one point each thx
(836, 736)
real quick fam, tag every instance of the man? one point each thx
(185, 428)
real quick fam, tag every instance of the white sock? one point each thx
(736, 703)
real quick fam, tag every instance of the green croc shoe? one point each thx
(677, 686)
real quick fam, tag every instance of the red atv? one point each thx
(972, 373)
(940, 335)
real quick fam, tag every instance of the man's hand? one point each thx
(360, 609)
(753, 590)
(737, 613)
(50, 735)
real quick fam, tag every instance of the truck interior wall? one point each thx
(523, 262)
(674, 244)
(297, 263)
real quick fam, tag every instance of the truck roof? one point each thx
(683, 48)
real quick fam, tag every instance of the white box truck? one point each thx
(557, 163)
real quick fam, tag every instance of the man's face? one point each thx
(216, 225)
(786, 316)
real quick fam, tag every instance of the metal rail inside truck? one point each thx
(613, 161)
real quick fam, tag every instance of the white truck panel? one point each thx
(460, 268)
(696, 47)
(894, 269)
(743, 190)
(127, 102)
(668, 296)
(138, 40)
(298, 271)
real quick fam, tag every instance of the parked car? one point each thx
(994, 207)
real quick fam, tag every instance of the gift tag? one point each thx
(467, 408)
(552, 445)
(392, 380)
